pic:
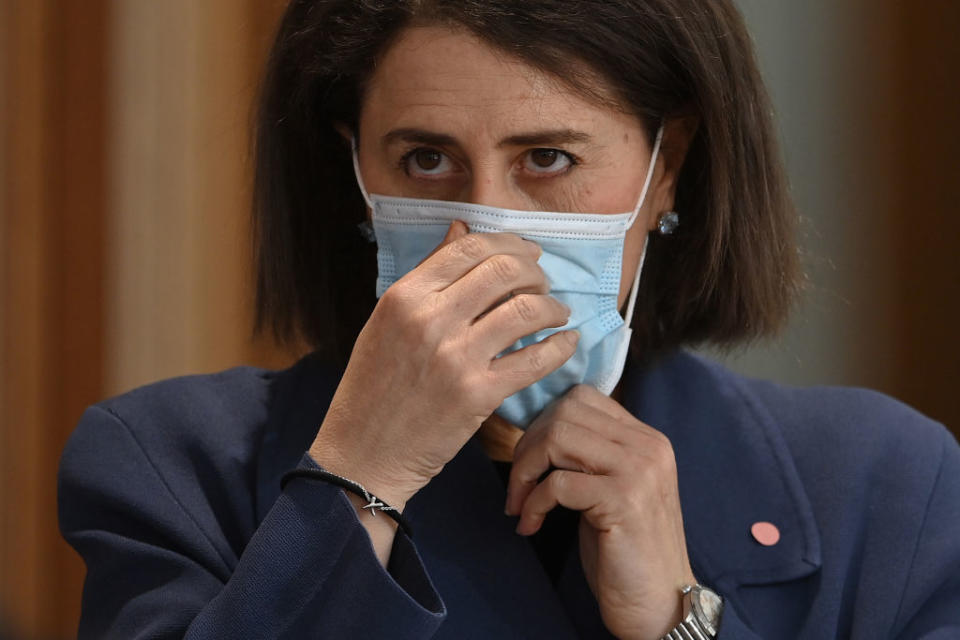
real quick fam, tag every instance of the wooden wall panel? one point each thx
(25, 270)
(184, 76)
(75, 327)
(123, 248)
(927, 220)
(52, 294)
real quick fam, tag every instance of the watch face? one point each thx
(707, 607)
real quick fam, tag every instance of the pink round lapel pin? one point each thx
(766, 533)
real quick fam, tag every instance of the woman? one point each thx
(532, 171)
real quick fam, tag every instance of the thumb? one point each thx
(458, 229)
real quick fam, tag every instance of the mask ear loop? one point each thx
(356, 172)
(643, 253)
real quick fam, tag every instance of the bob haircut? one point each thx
(729, 273)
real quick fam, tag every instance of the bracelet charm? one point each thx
(374, 503)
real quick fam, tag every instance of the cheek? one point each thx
(570, 197)
(608, 191)
(586, 196)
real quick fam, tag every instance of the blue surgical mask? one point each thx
(582, 258)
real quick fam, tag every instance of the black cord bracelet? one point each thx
(374, 505)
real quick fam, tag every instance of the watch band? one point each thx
(702, 608)
(687, 630)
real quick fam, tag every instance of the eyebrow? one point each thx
(533, 138)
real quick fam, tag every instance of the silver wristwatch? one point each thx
(701, 615)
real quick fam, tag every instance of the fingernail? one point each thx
(572, 336)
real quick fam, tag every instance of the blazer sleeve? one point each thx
(930, 606)
(309, 570)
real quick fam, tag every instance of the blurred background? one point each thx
(124, 251)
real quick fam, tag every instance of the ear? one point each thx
(678, 133)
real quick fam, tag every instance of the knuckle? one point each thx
(473, 393)
(470, 391)
(666, 461)
(445, 354)
(394, 309)
(559, 433)
(447, 362)
(524, 308)
(572, 408)
(561, 410)
(392, 299)
(420, 326)
(663, 447)
(660, 460)
(503, 268)
(471, 246)
(536, 361)
(558, 481)
(559, 351)
(579, 394)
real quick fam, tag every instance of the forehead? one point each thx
(446, 78)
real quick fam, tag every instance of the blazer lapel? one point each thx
(734, 470)
(489, 577)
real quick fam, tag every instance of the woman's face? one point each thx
(447, 117)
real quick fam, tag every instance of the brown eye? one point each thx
(544, 158)
(427, 159)
(427, 163)
(547, 162)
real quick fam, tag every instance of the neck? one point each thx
(498, 438)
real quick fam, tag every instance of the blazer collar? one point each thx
(734, 469)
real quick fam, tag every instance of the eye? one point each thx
(547, 161)
(424, 161)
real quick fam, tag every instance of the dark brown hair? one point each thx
(729, 273)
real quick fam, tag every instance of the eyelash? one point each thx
(405, 158)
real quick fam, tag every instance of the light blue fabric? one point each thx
(582, 258)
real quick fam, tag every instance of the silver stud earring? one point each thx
(668, 222)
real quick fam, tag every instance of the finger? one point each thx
(602, 420)
(519, 316)
(454, 260)
(572, 489)
(457, 229)
(564, 445)
(590, 395)
(494, 280)
(525, 366)
(599, 400)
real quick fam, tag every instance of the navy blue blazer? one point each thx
(171, 494)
